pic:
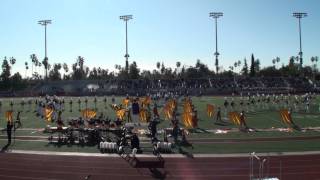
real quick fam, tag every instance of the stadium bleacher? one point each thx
(206, 86)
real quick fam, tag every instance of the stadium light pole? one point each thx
(126, 18)
(216, 15)
(45, 23)
(300, 15)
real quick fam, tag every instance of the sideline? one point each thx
(163, 155)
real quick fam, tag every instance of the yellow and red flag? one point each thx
(145, 101)
(9, 115)
(88, 113)
(168, 113)
(189, 117)
(235, 117)
(48, 112)
(168, 109)
(210, 110)
(285, 116)
(121, 113)
(187, 120)
(144, 115)
(126, 102)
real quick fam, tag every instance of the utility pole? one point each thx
(216, 15)
(126, 18)
(45, 23)
(300, 15)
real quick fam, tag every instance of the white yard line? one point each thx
(163, 155)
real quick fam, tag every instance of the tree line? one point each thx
(79, 71)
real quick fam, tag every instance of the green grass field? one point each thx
(259, 118)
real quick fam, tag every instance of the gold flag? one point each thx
(235, 117)
(189, 117)
(9, 116)
(88, 113)
(121, 113)
(210, 110)
(144, 115)
(125, 102)
(48, 113)
(168, 113)
(285, 117)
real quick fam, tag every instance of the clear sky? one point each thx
(161, 30)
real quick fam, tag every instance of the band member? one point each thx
(86, 102)
(118, 122)
(95, 103)
(105, 102)
(226, 104)
(135, 142)
(70, 105)
(60, 123)
(289, 116)
(135, 107)
(9, 130)
(11, 105)
(128, 112)
(17, 123)
(155, 110)
(153, 128)
(241, 103)
(79, 103)
(62, 104)
(242, 120)
(113, 99)
(218, 117)
(175, 132)
(232, 104)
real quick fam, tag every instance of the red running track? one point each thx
(36, 167)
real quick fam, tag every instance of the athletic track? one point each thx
(34, 167)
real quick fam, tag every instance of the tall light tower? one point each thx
(45, 23)
(300, 15)
(216, 15)
(126, 18)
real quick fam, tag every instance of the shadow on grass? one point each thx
(5, 148)
(222, 123)
(198, 130)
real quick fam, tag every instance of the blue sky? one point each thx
(161, 30)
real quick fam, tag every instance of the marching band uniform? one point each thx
(9, 131)
(218, 117)
(242, 120)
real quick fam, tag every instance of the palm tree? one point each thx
(178, 64)
(314, 60)
(275, 61)
(12, 60)
(27, 67)
(80, 61)
(34, 61)
(65, 67)
(158, 66)
(46, 66)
